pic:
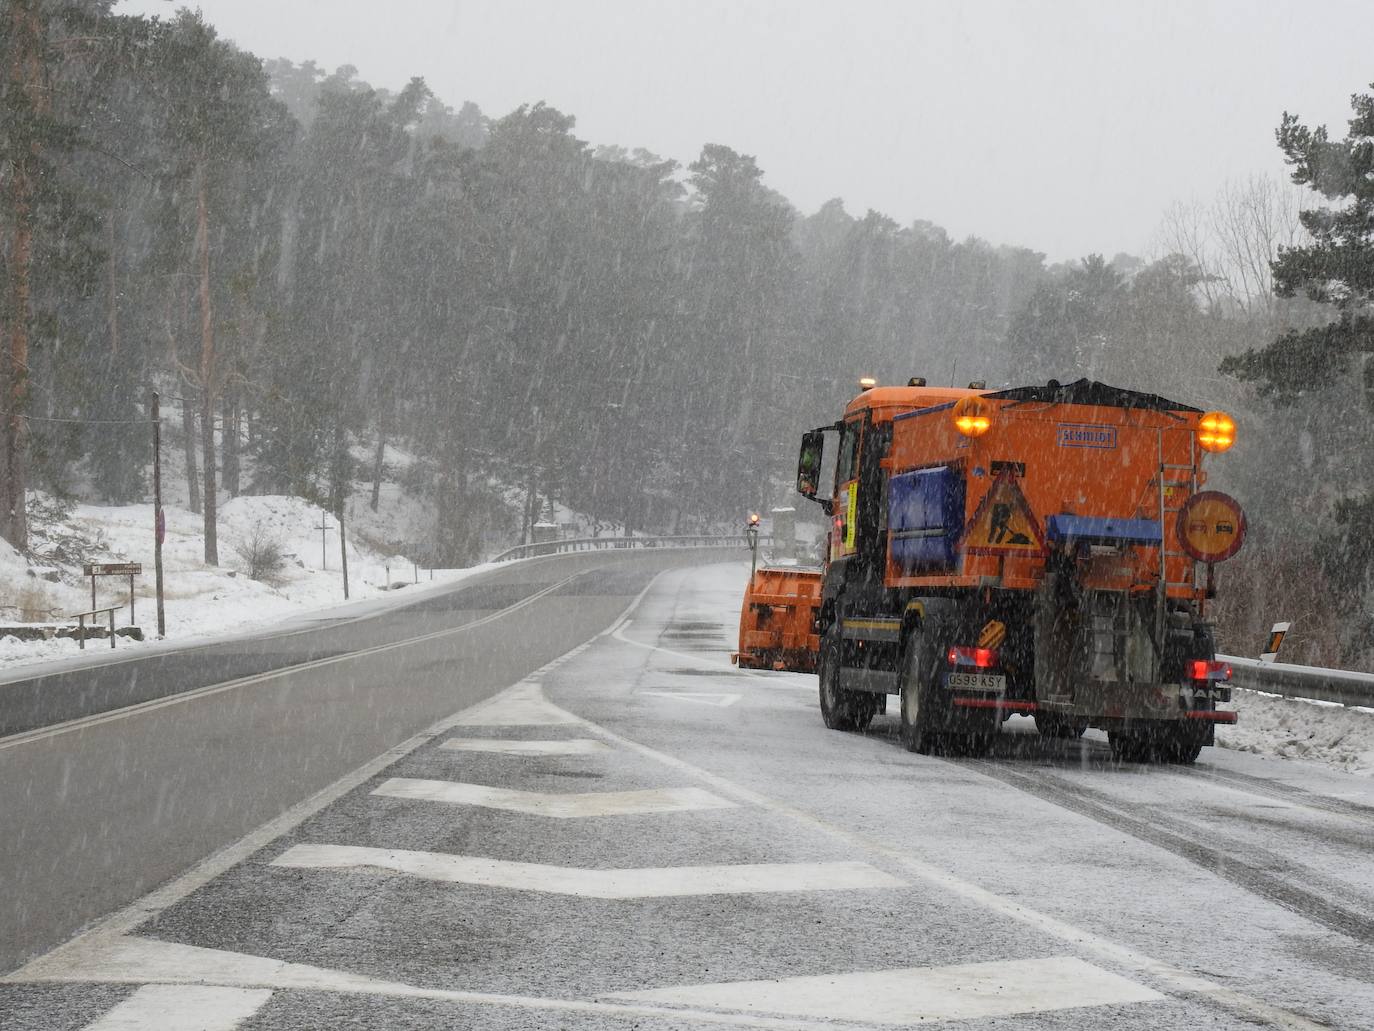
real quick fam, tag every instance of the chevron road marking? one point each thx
(510, 746)
(523, 705)
(716, 698)
(183, 1007)
(565, 806)
(648, 882)
(915, 994)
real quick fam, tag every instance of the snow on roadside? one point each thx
(1294, 728)
(201, 601)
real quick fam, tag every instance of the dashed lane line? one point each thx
(183, 1007)
(968, 991)
(85, 722)
(517, 746)
(574, 805)
(625, 883)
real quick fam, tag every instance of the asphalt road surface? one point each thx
(637, 835)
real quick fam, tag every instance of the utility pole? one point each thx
(343, 550)
(159, 521)
(324, 529)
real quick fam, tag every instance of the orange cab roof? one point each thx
(885, 402)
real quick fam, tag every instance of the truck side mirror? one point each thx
(809, 463)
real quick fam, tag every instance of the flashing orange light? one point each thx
(1216, 431)
(972, 417)
(867, 383)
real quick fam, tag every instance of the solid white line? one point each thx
(83, 722)
(625, 883)
(1123, 955)
(125, 920)
(968, 991)
(183, 1007)
(513, 746)
(651, 801)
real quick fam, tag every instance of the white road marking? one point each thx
(716, 698)
(510, 746)
(121, 959)
(522, 706)
(95, 719)
(183, 1007)
(643, 883)
(1178, 980)
(772, 681)
(914, 994)
(541, 803)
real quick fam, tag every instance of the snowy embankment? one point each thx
(1294, 728)
(202, 601)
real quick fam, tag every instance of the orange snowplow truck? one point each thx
(1046, 550)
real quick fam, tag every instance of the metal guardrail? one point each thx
(622, 544)
(1341, 686)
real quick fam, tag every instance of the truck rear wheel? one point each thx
(1181, 744)
(918, 695)
(1052, 724)
(840, 709)
(1129, 748)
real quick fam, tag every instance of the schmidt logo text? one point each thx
(1085, 435)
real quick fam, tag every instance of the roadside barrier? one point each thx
(622, 544)
(1344, 687)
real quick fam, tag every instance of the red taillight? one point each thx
(1208, 669)
(982, 658)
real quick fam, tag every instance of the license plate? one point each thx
(992, 682)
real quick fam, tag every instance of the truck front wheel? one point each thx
(840, 709)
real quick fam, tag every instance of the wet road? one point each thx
(637, 835)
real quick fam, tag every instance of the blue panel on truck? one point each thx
(925, 515)
(1092, 530)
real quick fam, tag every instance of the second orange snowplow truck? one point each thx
(1046, 550)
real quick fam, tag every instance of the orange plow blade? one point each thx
(777, 625)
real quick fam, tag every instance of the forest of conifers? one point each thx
(319, 268)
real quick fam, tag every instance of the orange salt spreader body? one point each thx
(1044, 550)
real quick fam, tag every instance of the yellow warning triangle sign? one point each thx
(1004, 523)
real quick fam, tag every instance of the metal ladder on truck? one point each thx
(1162, 485)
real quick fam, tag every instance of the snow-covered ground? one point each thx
(1293, 728)
(201, 601)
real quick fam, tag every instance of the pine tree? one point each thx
(1335, 268)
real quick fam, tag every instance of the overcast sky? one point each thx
(1061, 125)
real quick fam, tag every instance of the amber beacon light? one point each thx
(972, 417)
(1216, 431)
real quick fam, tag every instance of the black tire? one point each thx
(840, 709)
(919, 718)
(1181, 745)
(1052, 724)
(1129, 748)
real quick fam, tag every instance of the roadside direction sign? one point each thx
(113, 569)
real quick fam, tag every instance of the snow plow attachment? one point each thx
(777, 625)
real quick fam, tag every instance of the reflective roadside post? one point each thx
(751, 533)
